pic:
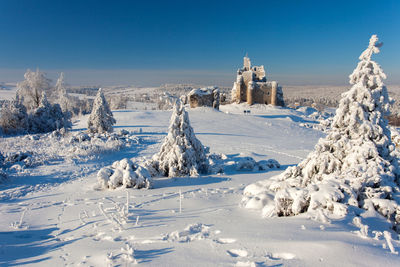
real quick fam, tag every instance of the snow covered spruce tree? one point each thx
(181, 153)
(13, 117)
(356, 164)
(101, 119)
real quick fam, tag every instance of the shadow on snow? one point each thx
(18, 247)
(187, 181)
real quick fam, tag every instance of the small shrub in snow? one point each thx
(3, 176)
(47, 117)
(181, 153)
(220, 163)
(21, 152)
(264, 165)
(101, 119)
(16, 157)
(124, 173)
(13, 117)
(356, 164)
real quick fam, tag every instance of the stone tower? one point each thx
(251, 86)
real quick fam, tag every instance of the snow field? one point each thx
(71, 223)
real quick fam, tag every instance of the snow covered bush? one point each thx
(181, 153)
(47, 117)
(23, 152)
(61, 97)
(221, 163)
(3, 176)
(30, 90)
(124, 173)
(356, 164)
(101, 119)
(13, 117)
(395, 135)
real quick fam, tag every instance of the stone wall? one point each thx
(204, 97)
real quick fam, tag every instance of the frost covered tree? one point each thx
(13, 117)
(62, 95)
(101, 119)
(32, 87)
(181, 153)
(47, 117)
(356, 164)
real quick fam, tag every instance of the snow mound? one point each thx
(124, 173)
(192, 232)
(356, 164)
(220, 163)
(307, 110)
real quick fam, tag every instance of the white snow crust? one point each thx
(51, 211)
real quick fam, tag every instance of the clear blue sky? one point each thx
(299, 42)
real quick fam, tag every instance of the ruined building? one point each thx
(208, 97)
(251, 86)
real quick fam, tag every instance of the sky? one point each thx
(147, 43)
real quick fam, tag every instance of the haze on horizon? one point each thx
(202, 42)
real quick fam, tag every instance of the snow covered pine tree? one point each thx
(181, 153)
(356, 164)
(101, 119)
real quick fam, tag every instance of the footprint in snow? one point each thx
(245, 264)
(282, 256)
(237, 252)
(225, 240)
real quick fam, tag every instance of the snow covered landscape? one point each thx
(170, 188)
(131, 134)
(55, 215)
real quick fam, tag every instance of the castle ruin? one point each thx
(251, 86)
(204, 97)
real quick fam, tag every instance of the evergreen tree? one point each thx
(101, 119)
(181, 153)
(356, 164)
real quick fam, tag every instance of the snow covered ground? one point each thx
(51, 214)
